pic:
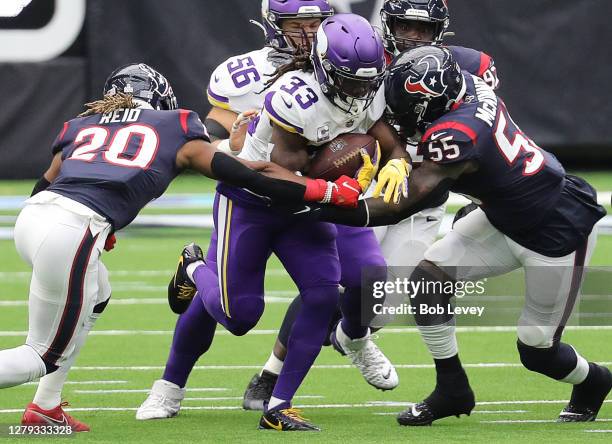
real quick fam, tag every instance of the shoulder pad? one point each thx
(234, 78)
(283, 110)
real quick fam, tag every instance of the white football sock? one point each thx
(191, 268)
(274, 402)
(440, 339)
(580, 372)
(273, 365)
(49, 392)
(20, 365)
(345, 340)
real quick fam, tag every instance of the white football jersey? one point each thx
(296, 103)
(236, 83)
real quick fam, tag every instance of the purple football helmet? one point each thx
(273, 12)
(349, 61)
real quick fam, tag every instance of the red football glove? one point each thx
(110, 242)
(344, 192)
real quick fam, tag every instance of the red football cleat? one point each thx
(34, 415)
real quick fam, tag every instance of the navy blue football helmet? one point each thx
(422, 85)
(434, 13)
(144, 83)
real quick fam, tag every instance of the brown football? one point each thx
(340, 157)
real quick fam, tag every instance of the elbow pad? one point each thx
(215, 130)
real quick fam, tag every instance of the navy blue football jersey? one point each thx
(522, 189)
(116, 163)
(476, 63)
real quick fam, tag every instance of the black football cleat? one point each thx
(286, 420)
(571, 413)
(588, 397)
(259, 391)
(181, 290)
(437, 406)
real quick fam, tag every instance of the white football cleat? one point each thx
(375, 367)
(164, 401)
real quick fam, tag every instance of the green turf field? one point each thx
(129, 346)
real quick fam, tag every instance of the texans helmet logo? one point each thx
(161, 84)
(430, 81)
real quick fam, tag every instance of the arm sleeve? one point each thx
(231, 171)
(41, 185)
(216, 131)
(375, 212)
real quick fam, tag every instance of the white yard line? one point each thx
(84, 383)
(598, 431)
(189, 390)
(130, 273)
(235, 398)
(557, 401)
(319, 367)
(309, 406)
(479, 403)
(271, 297)
(482, 412)
(391, 330)
(533, 421)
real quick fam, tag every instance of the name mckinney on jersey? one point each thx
(487, 109)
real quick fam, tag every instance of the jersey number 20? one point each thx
(91, 139)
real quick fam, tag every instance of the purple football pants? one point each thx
(358, 250)
(231, 286)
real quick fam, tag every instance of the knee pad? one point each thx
(534, 336)
(555, 362)
(433, 278)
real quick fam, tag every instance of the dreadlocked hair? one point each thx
(109, 103)
(300, 61)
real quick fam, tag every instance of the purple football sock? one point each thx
(193, 335)
(350, 304)
(307, 336)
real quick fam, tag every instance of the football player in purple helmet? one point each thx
(471, 145)
(234, 87)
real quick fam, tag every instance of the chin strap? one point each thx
(259, 25)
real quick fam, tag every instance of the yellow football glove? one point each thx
(393, 178)
(368, 171)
